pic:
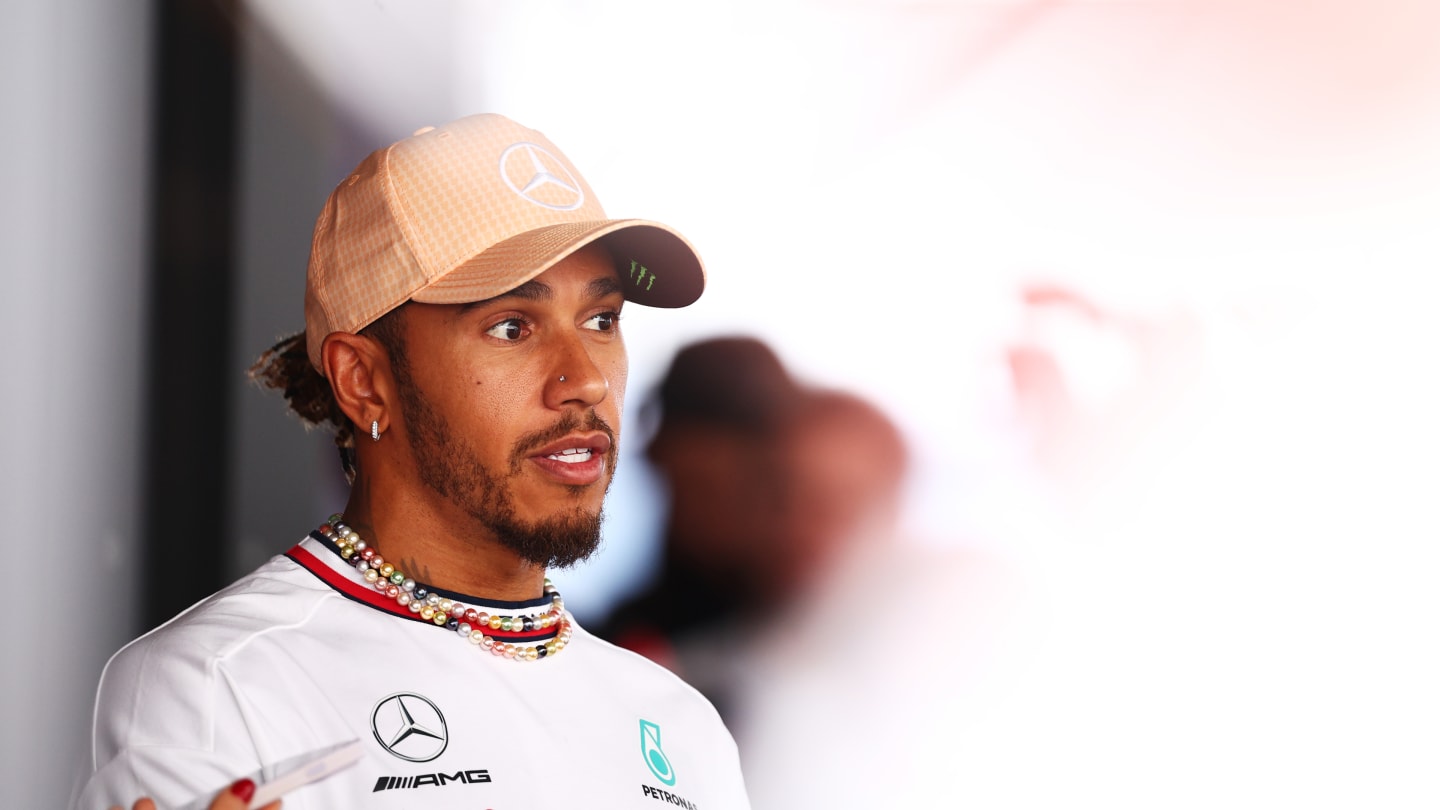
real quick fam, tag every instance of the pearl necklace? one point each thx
(465, 620)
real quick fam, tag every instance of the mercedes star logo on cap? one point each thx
(547, 182)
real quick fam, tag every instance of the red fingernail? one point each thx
(245, 789)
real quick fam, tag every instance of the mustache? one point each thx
(569, 423)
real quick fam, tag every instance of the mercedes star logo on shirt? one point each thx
(410, 727)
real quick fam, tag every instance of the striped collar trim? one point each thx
(321, 558)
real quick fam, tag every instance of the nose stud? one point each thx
(562, 378)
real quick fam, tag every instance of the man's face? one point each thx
(494, 428)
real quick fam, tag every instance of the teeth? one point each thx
(573, 455)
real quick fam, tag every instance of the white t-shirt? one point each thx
(302, 655)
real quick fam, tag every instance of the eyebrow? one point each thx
(531, 290)
(603, 286)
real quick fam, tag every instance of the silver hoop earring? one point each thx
(375, 430)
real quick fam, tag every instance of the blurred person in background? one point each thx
(462, 338)
(774, 487)
(719, 412)
(844, 463)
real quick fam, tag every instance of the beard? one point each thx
(449, 464)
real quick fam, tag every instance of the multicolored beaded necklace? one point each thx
(465, 620)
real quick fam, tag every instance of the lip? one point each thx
(577, 473)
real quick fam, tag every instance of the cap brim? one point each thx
(657, 266)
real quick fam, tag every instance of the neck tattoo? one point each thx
(468, 622)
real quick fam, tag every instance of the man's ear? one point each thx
(358, 369)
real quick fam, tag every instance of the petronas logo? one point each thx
(655, 756)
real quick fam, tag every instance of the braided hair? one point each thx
(285, 367)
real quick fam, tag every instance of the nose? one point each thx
(576, 379)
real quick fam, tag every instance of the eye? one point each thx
(604, 322)
(509, 329)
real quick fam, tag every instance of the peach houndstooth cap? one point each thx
(465, 212)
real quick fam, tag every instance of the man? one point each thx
(462, 336)
(720, 414)
(764, 515)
